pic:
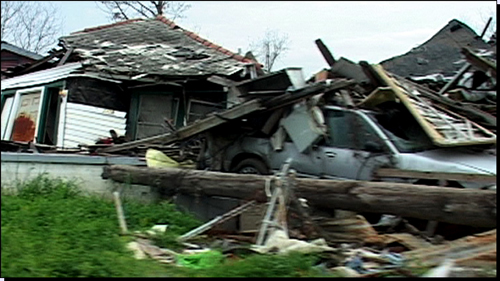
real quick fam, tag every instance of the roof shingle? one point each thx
(156, 46)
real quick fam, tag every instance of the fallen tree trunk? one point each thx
(444, 204)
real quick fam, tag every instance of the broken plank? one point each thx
(398, 173)
(455, 79)
(193, 129)
(479, 62)
(443, 204)
(462, 250)
(325, 52)
(297, 95)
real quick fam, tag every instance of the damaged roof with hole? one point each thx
(151, 46)
(440, 54)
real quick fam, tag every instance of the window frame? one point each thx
(202, 102)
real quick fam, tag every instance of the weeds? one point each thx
(50, 230)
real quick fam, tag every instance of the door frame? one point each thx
(15, 107)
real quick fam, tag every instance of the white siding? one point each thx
(85, 124)
(41, 77)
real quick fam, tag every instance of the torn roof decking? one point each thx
(234, 113)
(154, 47)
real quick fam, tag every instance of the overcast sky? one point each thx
(371, 31)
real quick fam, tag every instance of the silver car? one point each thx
(358, 142)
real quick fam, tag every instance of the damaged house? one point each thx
(440, 57)
(139, 78)
(459, 65)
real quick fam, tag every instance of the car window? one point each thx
(402, 129)
(339, 129)
(349, 130)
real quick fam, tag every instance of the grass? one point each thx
(49, 229)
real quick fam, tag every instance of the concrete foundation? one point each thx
(86, 171)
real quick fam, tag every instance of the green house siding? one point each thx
(150, 115)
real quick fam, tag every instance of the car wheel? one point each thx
(251, 166)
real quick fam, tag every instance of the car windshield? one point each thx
(408, 138)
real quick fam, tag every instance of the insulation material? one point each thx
(86, 124)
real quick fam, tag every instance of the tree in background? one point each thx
(124, 10)
(480, 24)
(270, 47)
(31, 25)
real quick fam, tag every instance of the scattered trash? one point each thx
(279, 242)
(157, 229)
(200, 260)
(158, 159)
(442, 270)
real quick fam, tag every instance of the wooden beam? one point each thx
(66, 56)
(325, 52)
(479, 62)
(444, 204)
(40, 62)
(397, 173)
(455, 79)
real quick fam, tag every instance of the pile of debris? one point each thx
(348, 245)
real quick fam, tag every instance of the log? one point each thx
(444, 204)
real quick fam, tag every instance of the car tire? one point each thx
(251, 166)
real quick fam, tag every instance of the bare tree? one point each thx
(124, 10)
(31, 25)
(480, 23)
(270, 47)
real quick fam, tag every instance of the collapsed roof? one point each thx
(151, 47)
(440, 54)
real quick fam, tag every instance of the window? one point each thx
(6, 109)
(199, 109)
(349, 130)
(154, 110)
(21, 115)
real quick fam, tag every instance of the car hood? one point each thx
(480, 161)
(452, 160)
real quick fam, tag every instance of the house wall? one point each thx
(182, 104)
(85, 124)
(97, 93)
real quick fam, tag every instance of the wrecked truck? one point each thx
(336, 142)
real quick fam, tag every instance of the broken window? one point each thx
(199, 109)
(401, 128)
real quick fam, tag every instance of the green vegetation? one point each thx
(49, 229)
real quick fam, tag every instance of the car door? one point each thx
(307, 164)
(353, 150)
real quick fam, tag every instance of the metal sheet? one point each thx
(40, 77)
(85, 124)
(302, 128)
